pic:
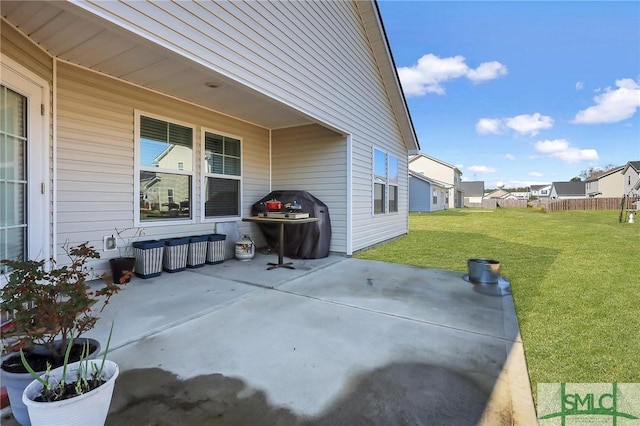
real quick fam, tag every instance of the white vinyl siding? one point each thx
(313, 159)
(294, 52)
(96, 156)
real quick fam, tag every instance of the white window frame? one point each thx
(137, 168)
(387, 184)
(204, 175)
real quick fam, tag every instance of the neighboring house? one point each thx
(541, 191)
(567, 190)
(631, 175)
(521, 195)
(500, 194)
(605, 184)
(473, 192)
(439, 171)
(208, 105)
(427, 195)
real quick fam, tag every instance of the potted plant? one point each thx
(73, 394)
(48, 304)
(122, 267)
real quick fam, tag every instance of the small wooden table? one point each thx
(281, 223)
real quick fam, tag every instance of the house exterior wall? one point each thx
(630, 178)
(419, 195)
(95, 157)
(95, 152)
(287, 65)
(542, 192)
(442, 172)
(314, 159)
(592, 188)
(611, 185)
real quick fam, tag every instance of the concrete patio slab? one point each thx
(337, 341)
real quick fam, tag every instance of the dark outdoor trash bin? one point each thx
(175, 254)
(215, 248)
(148, 256)
(197, 251)
(302, 241)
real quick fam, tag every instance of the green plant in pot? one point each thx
(48, 303)
(122, 267)
(73, 394)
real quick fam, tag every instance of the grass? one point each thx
(575, 278)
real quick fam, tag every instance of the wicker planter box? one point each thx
(197, 251)
(215, 248)
(148, 256)
(175, 255)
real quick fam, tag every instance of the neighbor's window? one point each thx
(166, 170)
(435, 197)
(222, 175)
(385, 182)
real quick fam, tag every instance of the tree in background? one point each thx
(592, 172)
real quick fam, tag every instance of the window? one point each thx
(393, 184)
(222, 175)
(379, 181)
(165, 187)
(435, 197)
(385, 182)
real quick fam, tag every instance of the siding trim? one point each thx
(349, 247)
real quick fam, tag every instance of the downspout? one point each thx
(54, 161)
(349, 195)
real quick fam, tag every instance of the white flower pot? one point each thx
(89, 409)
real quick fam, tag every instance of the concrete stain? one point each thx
(396, 394)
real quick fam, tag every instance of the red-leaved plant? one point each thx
(49, 304)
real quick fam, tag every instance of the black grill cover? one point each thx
(304, 241)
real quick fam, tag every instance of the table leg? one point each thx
(281, 263)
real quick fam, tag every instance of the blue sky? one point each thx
(519, 93)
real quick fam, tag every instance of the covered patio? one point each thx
(336, 341)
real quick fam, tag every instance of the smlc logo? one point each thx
(568, 404)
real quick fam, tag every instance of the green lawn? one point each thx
(575, 278)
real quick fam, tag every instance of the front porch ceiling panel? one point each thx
(76, 36)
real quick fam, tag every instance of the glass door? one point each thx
(13, 175)
(24, 165)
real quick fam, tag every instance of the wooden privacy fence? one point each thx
(614, 203)
(492, 203)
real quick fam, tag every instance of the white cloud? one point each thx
(509, 157)
(488, 125)
(579, 85)
(482, 169)
(428, 74)
(562, 149)
(612, 105)
(535, 174)
(524, 124)
(527, 124)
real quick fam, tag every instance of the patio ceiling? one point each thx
(76, 36)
